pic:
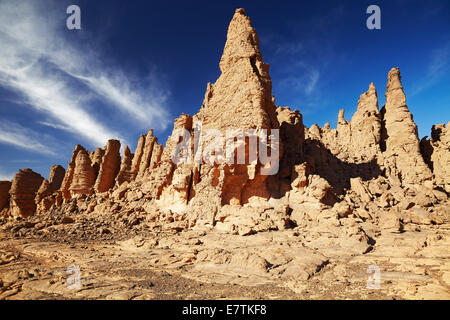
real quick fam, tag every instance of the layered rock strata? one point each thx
(23, 191)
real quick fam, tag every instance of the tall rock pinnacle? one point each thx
(241, 99)
(109, 167)
(242, 42)
(366, 126)
(68, 177)
(83, 175)
(125, 174)
(242, 96)
(403, 157)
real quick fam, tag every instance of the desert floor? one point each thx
(413, 264)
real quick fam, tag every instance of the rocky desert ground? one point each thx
(360, 211)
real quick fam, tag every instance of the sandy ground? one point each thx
(210, 265)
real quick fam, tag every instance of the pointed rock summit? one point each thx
(402, 147)
(83, 175)
(366, 127)
(125, 172)
(241, 99)
(109, 167)
(68, 177)
(242, 96)
(242, 42)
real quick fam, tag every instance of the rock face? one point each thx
(23, 190)
(366, 127)
(170, 185)
(5, 186)
(401, 146)
(109, 167)
(241, 99)
(83, 175)
(68, 177)
(358, 140)
(125, 172)
(146, 153)
(292, 134)
(436, 152)
(138, 156)
(56, 177)
(43, 198)
(96, 159)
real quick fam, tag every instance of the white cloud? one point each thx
(290, 48)
(312, 79)
(6, 176)
(438, 67)
(305, 82)
(18, 136)
(439, 61)
(145, 110)
(38, 63)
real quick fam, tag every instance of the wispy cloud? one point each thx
(439, 61)
(4, 176)
(312, 79)
(60, 79)
(305, 80)
(289, 48)
(438, 66)
(13, 134)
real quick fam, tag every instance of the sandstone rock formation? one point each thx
(5, 186)
(401, 146)
(56, 177)
(44, 199)
(436, 152)
(207, 202)
(68, 177)
(23, 190)
(83, 175)
(241, 99)
(146, 152)
(109, 167)
(292, 133)
(159, 179)
(125, 172)
(138, 156)
(96, 159)
(366, 127)
(371, 164)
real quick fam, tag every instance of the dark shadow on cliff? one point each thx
(337, 172)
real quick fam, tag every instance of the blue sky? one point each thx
(137, 65)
